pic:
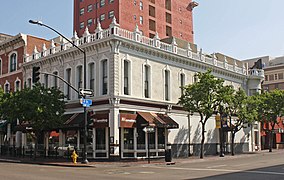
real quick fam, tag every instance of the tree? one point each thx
(39, 107)
(202, 97)
(270, 108)
(240, 106)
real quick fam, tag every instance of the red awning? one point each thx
(128, 120)
(158, 120)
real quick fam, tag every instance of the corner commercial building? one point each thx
(136, 83)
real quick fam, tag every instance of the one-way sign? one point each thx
(86, 92)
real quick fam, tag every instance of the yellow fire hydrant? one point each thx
(74, 157)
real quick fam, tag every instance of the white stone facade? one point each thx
(166, 64)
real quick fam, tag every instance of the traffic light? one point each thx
(36, 74)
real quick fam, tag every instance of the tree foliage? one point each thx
(202, 97)
(40, 108)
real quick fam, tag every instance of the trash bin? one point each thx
(168, 155)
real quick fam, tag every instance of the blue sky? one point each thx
(239, 28)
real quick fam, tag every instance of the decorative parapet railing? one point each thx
(136, 36)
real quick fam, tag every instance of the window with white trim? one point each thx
(90, 8)
(102, 3)
(7, 88)
(17, 85)
(68, 79)
(82, 11)
(104, 77)
(146, 81)
(126, 73)
(82, 25)
(141, 20)
(110, 14)
(92, 76)
(90, 22)
(102, 17)
(167, 85)
(141, 5)
(13, 62)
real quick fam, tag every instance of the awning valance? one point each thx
(101, 120)
(157, 120)
(128, 120)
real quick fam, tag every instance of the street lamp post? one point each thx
(85, 160)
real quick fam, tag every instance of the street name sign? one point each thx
(86, 92)
(86, 102)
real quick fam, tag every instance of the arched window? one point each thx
(167, 85)
(13, 62)
(126, 77)
(68, 79)
(55, 79)
(146, 81)
(92, 76)
(7, 87)
(17, 85)
(104, 77)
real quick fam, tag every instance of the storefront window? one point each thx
(100, 138)
(141, 139)
(161, 138)
(152, 140)
(128, 134)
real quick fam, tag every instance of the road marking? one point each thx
(221, 170)
(221, 165)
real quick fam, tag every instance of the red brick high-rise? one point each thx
(167, 17)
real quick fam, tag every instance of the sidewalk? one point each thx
(125, 163)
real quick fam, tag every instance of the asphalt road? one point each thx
(254, 166)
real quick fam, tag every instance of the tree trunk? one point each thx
(233, 143)
(270, 141)
(36, 146)
(202, 141)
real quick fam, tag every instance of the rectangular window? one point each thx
(276, 76)
(280, 76)
(102, 17)
(168, 4)
(134, 2)
(90, 21)
(110, 14)
(141, 5)
(92, 76)
(146, 81)
(152, 25)
(102, 3)
(266, 78)
(90, 8)
(168, 18)
(68, 79)
(81, 11)
(110, 1)
(128, 138)
(82, 25)
(161, 138)
(271, 77)
(126, 77)
(100, 138)
(105, 76)
(167, 82)
(141, 139)
(168, 31)
(152, 11)
(141, 20)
